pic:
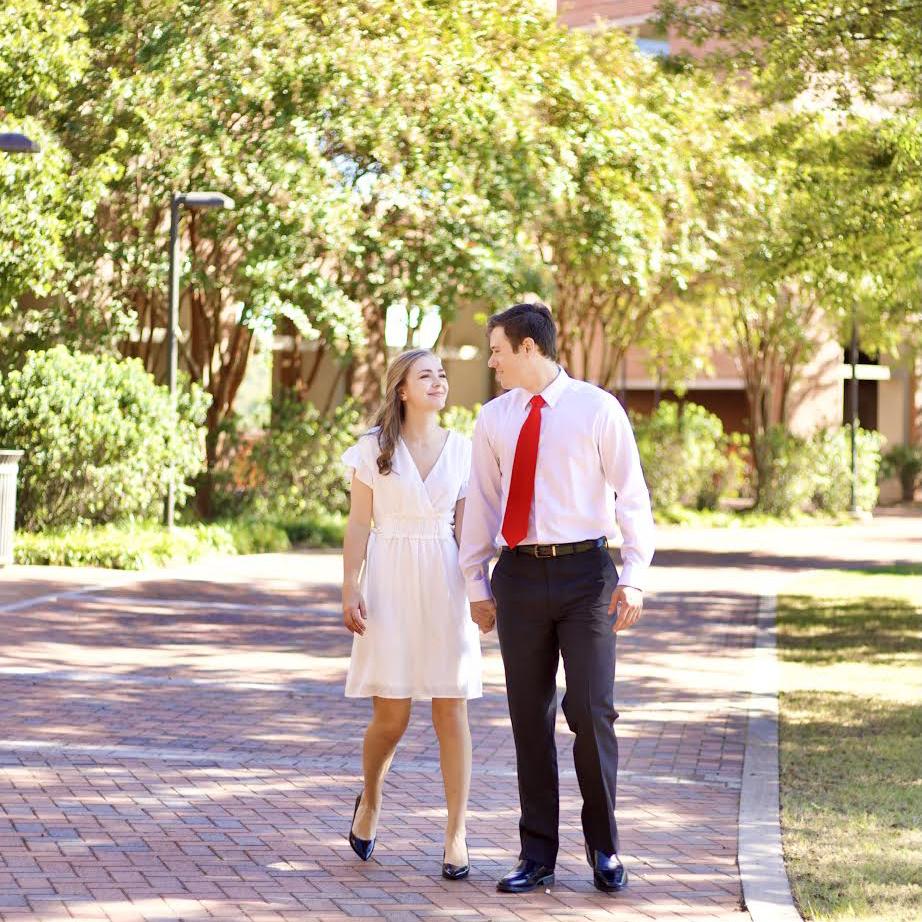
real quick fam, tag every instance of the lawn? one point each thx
(850, 645)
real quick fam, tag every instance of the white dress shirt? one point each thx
(588, 477)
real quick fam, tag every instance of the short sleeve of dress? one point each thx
(358, 462)
(464, 460)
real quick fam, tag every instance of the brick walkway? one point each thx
(179, 748)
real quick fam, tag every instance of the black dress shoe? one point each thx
(456, 871)
(608, 873)
(526, 876)
(362, 847)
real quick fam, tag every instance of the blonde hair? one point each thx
(390, 415)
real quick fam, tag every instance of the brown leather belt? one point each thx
(558, 550)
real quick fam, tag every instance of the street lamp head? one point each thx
(15, 143)
(200, 200)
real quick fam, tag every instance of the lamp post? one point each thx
(12, 142)
(195, 201)
(853, 409)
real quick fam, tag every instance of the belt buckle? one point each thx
(538, 552)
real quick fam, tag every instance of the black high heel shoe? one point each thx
(362, 847)
(456, 871)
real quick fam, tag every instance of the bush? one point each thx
(786, 467)
(686, 456)
(905, 463)
(322, 530)
(292, 472)
(98, 435)
(833, 469)
(798, 474)
(141, 546)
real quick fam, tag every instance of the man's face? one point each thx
(507, 364)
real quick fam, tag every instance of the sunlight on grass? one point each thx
(851, 744)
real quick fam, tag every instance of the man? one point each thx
(554, 464)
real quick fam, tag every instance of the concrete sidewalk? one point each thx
(175, 745)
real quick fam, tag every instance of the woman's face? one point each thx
(426, 384)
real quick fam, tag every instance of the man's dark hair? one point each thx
(523, 320)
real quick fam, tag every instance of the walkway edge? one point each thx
(766, 889)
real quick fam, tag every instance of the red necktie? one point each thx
(522, 484)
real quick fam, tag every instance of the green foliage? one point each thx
(743, 518)
(99, 436)
(904, 462)
(833, 471)
(322, 529)
(293, 471)
(461, 419)
(685, 455)
(141, 546)
(788, 472)
(626, 226)
(816, 473)
(249, 536)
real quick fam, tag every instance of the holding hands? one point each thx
(483, 614)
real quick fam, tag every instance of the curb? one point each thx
(766, 890)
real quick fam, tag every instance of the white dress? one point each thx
(420, 641)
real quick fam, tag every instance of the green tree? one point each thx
(374, 153)
(43, 55)
(625, 230)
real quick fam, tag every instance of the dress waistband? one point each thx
(437, 526)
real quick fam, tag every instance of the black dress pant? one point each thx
(547, 607)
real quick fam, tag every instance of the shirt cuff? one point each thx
(633, 575)
(478, 590)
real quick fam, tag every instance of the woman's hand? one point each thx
(354, 614)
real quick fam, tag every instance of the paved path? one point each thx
(176, 746)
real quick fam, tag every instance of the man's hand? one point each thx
(483, 614)
(626, 606)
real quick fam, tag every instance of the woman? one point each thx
(413, 638)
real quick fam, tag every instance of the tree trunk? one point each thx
(371, 364)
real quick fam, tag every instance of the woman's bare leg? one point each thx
(449, 717)
(389, 720)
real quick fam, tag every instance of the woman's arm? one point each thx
(355, 544)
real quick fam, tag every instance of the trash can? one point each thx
(9, 467)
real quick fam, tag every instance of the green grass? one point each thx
(851, 743)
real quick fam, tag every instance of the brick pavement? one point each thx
(175, 746)
(178, 747)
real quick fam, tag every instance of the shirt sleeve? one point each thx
(482, 510)
(623, 473)
(357, 462)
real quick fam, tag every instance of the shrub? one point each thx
(833, 469)
(99, 435)
(141, 546)
(905, 463)
(686, 456)
(293, 471)
(815, 473)
(321, 530)
(787, 473)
